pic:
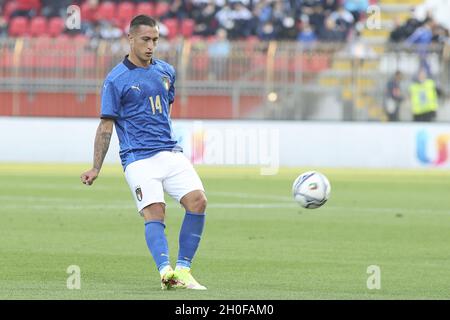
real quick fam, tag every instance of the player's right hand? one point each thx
(89, 176)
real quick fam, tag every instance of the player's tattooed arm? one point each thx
(101, 145)
(102, 140)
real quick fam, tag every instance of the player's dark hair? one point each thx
(142, 19)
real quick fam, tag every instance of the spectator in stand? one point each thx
(309, 5)
(295, 7)
(343, 20)
(218, 50)
(3, 22)
(316, 18)
(266, 32)
(55, 8)
(393, 97)
(331, 33)
(26, 8)
(330, 6)
(109, 32)
(422, 35)
(3, 27)
(402, 31)
(421, 39)
(284, 23)
(356, 7)
(307, 35)
(179, 9)
(204, 13)
(242, 18)
(236, 19)
(440, 35)
(224, 18)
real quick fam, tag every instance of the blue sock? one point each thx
(157, 243)
(190, 235)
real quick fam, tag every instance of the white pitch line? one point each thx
(243, 195)
(283, 205)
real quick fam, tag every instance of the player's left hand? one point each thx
(89, 176)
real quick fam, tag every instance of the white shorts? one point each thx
(166, 171)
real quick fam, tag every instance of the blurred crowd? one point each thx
(303, 20)
(419, 31)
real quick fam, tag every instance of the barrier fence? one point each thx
(215, 79)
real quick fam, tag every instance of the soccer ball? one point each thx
(311, 189)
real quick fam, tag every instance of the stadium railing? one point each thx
(246, 79)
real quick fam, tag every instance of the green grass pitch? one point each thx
(258, 244)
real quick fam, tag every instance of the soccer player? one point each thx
(137, 98)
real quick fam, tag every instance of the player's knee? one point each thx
(154, 211)
(197, 203)
(201, 203)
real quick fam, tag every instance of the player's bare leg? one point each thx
(154, 215)
(195, 204)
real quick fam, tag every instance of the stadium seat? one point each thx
(38, 26)
(56, 26)
(125, 12)
(145, 8)
(9, 8)
(87, 12)
(161, 9)
(172, 27)
(187, 27)
(106, 11)
(28, 4)
(18, 27)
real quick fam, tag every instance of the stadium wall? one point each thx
(262, 143)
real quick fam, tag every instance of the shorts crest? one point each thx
(138, 192)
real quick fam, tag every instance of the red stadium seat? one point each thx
(38, 26)
(172, 27)
(18, 27)
(106, 11)
(161, 9)
(56, 26)
(187, 27)
(145, 8)
(10, 7)
(87, 12)
(125, 11)
(28, 4)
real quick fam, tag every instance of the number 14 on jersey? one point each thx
(155, 104)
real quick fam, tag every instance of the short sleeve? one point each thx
(110, 101)
(172, 88)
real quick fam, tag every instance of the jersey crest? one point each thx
(166, 82)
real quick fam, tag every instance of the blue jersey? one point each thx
(138, 99)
